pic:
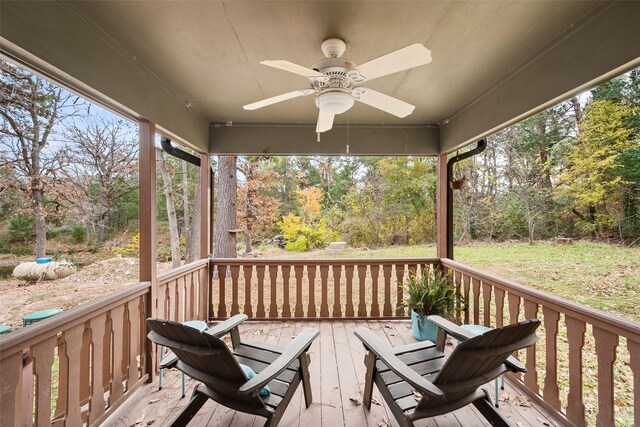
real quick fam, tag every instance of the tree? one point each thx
(225, 220)
(99, 161)
(31, 108)
(174, 235)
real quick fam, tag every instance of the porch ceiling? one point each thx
(493, 62)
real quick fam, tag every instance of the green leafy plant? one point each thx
(431, 294)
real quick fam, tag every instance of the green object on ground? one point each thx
(4, 329)
(37, 316)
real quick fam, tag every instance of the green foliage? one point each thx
(130, 250)
(21, 228)
(431, 294)
(300, 244)
(78, 233)
(301, 237)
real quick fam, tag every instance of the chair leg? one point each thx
(495, 387)
(370, 363)
(305, 359)
(197, 400)
(160, 353)
(183, 385)
(485, 407)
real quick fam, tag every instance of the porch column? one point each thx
(147, 226)
(205, 231)
(442, 231)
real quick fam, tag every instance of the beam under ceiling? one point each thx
(603, 46)
(301, 139)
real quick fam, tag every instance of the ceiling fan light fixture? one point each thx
(334, 101)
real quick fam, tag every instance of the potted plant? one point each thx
(430, 294)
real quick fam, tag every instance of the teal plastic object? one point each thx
(476, 329)
(37, 316)
(43, 260)
(250, 373)
(196, 324)
(421, 328)
(4, 329)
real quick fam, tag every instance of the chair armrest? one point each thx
(451, 328)
(385, 354)
(225, 327)
(462, 334)
(300, 344)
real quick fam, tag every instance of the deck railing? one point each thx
(183, 292)
(77, 367)
(558, 366)
(312, 289)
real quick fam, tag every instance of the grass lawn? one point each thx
(602, 276)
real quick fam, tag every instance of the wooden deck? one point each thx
(337, 376)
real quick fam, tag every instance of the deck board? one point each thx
(337, 375)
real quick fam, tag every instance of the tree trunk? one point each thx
(171, 211)
(38, 215)
(185, 205)
(193, 250)
(225, 242)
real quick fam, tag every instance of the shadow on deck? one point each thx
(337, 378)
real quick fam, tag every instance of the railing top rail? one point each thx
(323, 261)
(25, 337)
(611, 322)
(182, 270)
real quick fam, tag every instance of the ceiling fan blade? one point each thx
(402, 59)
(325, 121)
(386, 103)
(292, 68)
(278, 98)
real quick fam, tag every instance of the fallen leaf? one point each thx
(355, 400)
(541, 421)
(153, 400)
(384, 422)
(519, 424)
(388, 326)
(504, 397)
(416, 395)
(522, 401)
(375, 401)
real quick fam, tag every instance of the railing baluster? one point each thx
(222, 296)
(514, 313)
(117, 315)
(85, 367)
(299, 273)
(43, 360)
(375, 273)
(286, 303)
(551, 393)
(457, 280)
(386, 271)
(134, 350)
(235, 306)
(499, 307)
(106, 359)
(73, 343)
(362, 278)
(247, 270)
(260, 276)
(311, 276)
(486, 303)
(606, 344)
(172, 300)
(189, 290)
(348, 272)
(466, 281)
(26, 392)
(273, 279)
(337, 304)
(10, 402)
(180, 314)
(96, 406)
(324, 305)
(475, 284)
(575, 406)
(531, 376)
(634, 364)
(399, 289)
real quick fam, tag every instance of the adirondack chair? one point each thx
(419, 381)
(205, 357)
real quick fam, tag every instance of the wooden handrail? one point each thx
(607, 321)
(26, 337)
(322, 261)
(182, 270)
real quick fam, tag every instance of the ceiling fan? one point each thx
(336, 81)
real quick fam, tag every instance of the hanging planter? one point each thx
(457, 183)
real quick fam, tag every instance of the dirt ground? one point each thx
(18, 298)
